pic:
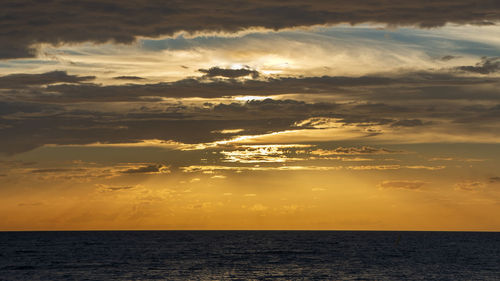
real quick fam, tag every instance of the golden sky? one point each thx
(256, 115)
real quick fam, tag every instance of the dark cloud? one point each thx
(408, 123)
(178, 122)
(411, 85)
(380, 107)
(25, 22)
(27, 125)
(128, 78)
(229, 73)
(274, 107)
(187, 124)
(57, 170)
(494, 180)
(75, 113)
(448, 57)
(197, 88)
(111, 188)
(14, 81)
(479, 114)
(11, 107)
(486, 66)
(48, 130)
(149, 169)
(16, 163)
(34, 204)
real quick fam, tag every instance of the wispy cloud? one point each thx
(353, 151)
(469, 185)
(113, 188)
(402, 184)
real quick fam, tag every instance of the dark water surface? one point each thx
(249, 255)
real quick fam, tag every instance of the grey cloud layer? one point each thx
(22, 80)
(26, 126)
(59, 125)
(58, 108)
(411, 85)
(24, 22)
(43, 111)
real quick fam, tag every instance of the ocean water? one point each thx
(249, 255)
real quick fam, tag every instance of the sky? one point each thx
(317, 115)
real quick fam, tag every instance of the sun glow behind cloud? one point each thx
(321, 51)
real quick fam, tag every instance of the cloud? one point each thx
(422, 167)
(200, 168)
(31, 204)
(374, 167)
(213, 168)
(261, 154)
(229, 131)
(401, 184)
(469, 185)
(408, 123)
(274, 107)
(57, 170)
(352, 151)
(265, 121)
(85, 127)
(58, 125)
(448, 57)
(111, 188)
(258, 208)
(149, 169)
(75, 174)
(15, 163)
(392, 106)
(494, 179)
(14, 81)
(229, 73)
(443, 159)
(393, 86)
(128, 78)
(15, 107)
(486, 66)
(29, 23)
(85, 171)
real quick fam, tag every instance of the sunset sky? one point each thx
(338, 115)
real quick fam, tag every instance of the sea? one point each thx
(249, 255)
